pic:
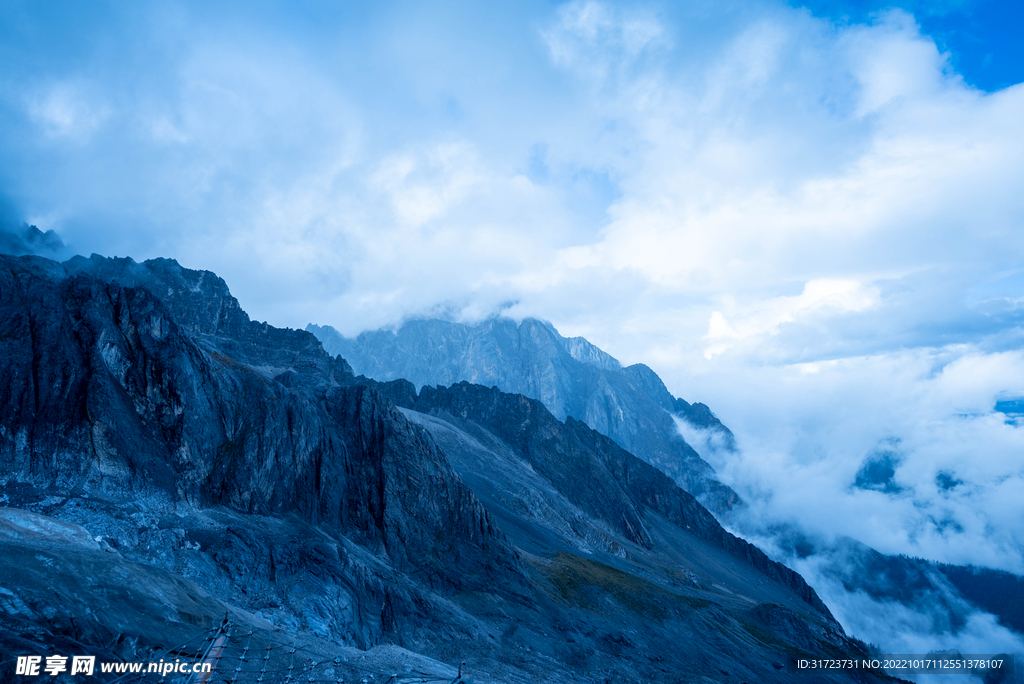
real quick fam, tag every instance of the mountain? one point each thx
(26, 239)
(177, 474)
(994, 591)
(576, 380)
(570, 376)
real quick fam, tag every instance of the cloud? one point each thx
(822, 296)
(805, 439)
(65, 110)
(926, 626)
(423, 187)
(602, 41)
(800, 206)
(718, 161)
(763, 205)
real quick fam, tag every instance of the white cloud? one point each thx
(602, 40)
(716, 163)
(67, 110)
(819, 297)
(733, 199)
(803, 437)
(424, 187)
(901, 629)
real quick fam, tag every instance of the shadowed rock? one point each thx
(169, 455)
(570, 376)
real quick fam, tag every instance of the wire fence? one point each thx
(244, 657)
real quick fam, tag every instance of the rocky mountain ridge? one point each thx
(220, 464)
(571, 376)
(607, 482)
(574, 378)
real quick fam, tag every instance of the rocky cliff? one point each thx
(167, 461)
(570, 376)
(591, 471)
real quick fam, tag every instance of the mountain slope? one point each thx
(604, 480)
(569, 375)
(160, 437)
(115, 410)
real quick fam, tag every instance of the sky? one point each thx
(807, 216)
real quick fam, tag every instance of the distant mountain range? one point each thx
(26, 239)
(570, 376)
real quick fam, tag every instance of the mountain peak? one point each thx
(29, 240)
(570, 376)
(197, 463)
(585, 352)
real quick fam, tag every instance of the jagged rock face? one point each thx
(108, 396)
(570, 376)
(131, 592)
(592, 471)
(202, 305)
(555, 450)
(162, 439)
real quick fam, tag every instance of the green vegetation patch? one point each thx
(772, 641)
(575, 580)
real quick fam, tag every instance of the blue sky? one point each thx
(518, 144)
(982, 37)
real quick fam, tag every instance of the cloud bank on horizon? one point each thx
(808, 218)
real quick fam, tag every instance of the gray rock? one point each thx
(110, 397)
(173, 461)
(570, 376)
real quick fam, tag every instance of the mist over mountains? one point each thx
(26, 239)
(900, 602)
(168, 461)
(779, 244)
(570, 376)
(563, 512)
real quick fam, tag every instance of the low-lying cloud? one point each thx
(903, 452)
(814, 440)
